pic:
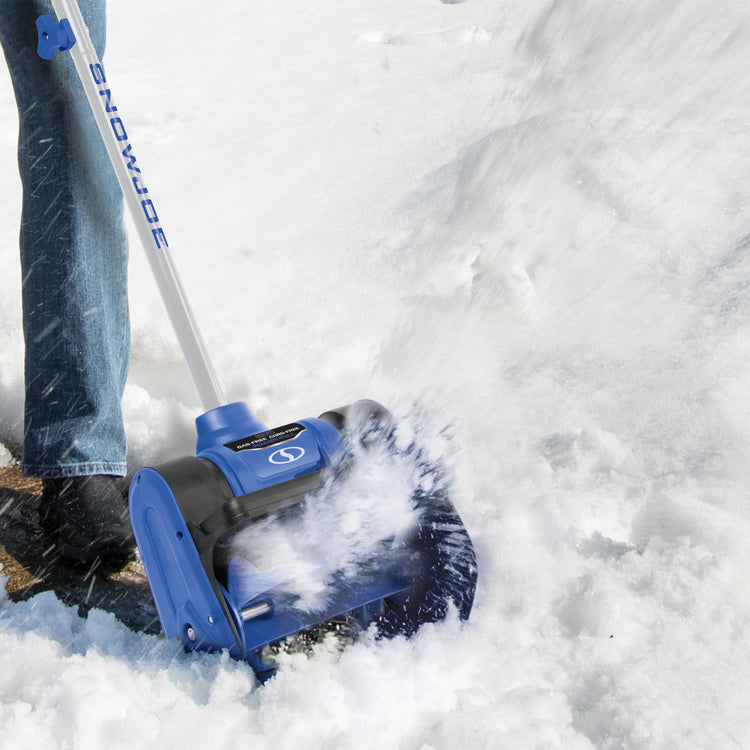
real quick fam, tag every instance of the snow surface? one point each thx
(525, 221)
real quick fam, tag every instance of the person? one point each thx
(74, 295)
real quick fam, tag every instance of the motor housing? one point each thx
(184, 511)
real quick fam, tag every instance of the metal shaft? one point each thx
(140, 203)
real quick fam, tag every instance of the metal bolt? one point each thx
(255, 610)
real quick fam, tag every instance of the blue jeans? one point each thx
(73, 260)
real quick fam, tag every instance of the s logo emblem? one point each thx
(287, 455)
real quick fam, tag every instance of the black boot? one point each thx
(87, 518)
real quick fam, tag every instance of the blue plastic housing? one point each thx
(181, 512)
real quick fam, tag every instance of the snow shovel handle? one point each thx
(140, 202)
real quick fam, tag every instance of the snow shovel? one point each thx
(242, 542)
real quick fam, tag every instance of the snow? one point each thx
(525, 221)
(367, 508)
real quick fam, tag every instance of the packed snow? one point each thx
(526, 222)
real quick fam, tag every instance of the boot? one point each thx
(87, 518)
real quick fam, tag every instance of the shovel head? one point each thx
(216, 594)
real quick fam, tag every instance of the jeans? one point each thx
(73, 260)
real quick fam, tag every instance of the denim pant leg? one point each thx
(73, 259)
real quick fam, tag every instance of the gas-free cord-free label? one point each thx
(267, 438)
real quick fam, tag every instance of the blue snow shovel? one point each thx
(217, 595)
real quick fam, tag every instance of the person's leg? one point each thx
(73, 256)
(74, 267)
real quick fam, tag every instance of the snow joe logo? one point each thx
(118, 128)
(287, 455)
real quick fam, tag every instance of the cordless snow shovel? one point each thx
(250, 483)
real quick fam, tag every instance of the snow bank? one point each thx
(528, 222)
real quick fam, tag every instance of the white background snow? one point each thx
(529, 221)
